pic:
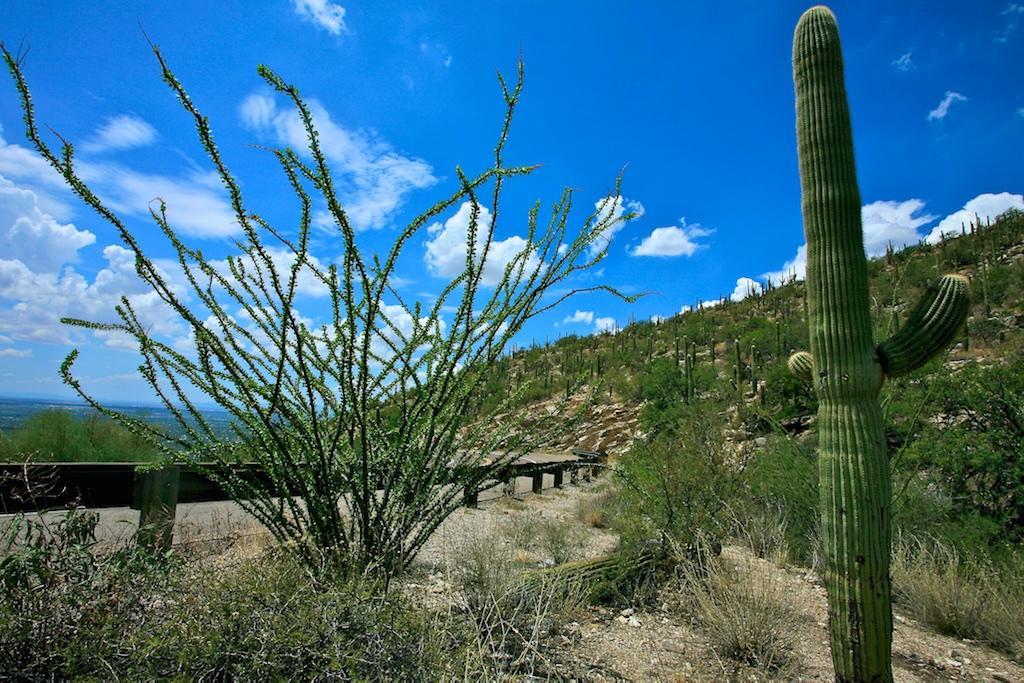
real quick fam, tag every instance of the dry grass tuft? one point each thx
(964, 597)
(743, 610)
(513, 616)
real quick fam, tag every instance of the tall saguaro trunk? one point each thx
(853, 468)
(847, 369)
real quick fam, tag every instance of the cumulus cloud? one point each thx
(604, 325)
(375, 179)
(686, 308)
(904, 63)
(24, 164)
(581, 317)
(942, 109)
(15, 353)
(30, 235)
(121, 132)
(308, 283)
(672, 241)
(33, 172)
(611, 211)
(745, 287)
(327, 15)
(445, 254)
(984, 206)
(38, 300)
(196, 203)
(895, 222)
(900, 223)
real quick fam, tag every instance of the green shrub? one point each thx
(673, 486)
(781, 489)
(71, 610)
(972, 446)
(58, 436)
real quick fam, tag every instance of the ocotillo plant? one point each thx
(358, 420)
(847, 368)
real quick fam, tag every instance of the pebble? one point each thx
(628, 612)
(674, 646)
(634, 622)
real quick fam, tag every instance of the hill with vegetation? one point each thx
(699, 554)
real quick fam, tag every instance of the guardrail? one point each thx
(156, 493)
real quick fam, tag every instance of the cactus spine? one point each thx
(847, 370)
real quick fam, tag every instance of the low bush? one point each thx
(596, 510)
(513, 613)
(780, 498)
(71, 610)
(972, 445)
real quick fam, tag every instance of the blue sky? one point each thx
(694, 100)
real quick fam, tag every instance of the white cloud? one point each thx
(1013, 12)
(374, 179)
(32, 236)
(24, 164)
(121, 132)
(942, 109)
(445, 254)
(904, 63)
(584, 317)
(610, 212)
(32, 172)
(604, 325)
(15, 353)
(744, 288)
(308, 283)
(672, 241)
(891, 221)
(794, 267)
(883, 222)
(327, 15)
(984, 206)
(39, 300)
(196, 204)
(899, 222)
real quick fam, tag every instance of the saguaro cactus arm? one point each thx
(801, 365)
(930, 329)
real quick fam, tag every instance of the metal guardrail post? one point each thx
(156, 498)
(470, 496)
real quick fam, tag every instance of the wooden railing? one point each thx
(156, 493)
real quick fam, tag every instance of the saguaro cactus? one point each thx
(846, 367)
